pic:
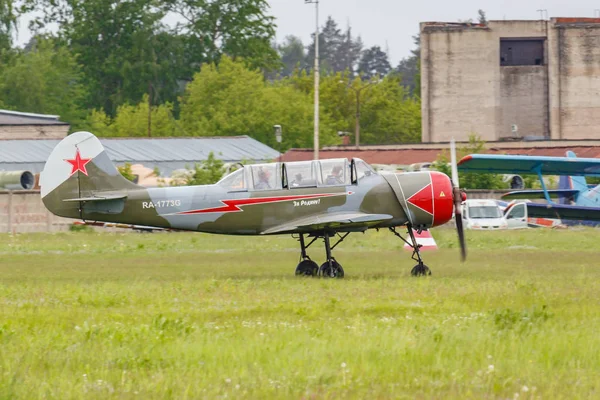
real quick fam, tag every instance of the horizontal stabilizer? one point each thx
(560, 211)
(506, 164)
(330, 220)
(539, 194)
(100, 198)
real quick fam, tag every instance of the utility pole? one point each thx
(316, 74)
(357, 122)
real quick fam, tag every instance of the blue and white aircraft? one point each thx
(576, 199)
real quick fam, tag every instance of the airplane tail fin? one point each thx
(79, 171)
(577, 183)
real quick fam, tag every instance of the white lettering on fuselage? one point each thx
(303, 203)
(161, 203)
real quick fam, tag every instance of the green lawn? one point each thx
(177, 315)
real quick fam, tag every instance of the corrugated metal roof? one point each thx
(167, 154)
(8, 117)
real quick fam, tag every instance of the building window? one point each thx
(521, 52)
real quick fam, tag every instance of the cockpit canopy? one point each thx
(297, 174)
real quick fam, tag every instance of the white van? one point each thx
(482, 214)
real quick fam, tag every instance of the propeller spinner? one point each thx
(458, 198)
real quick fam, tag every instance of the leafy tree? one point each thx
(157, 71)
(330, 37)
(338, 51)
(338, 101)
(470, 180)
(417, 80)
(8, 23)
(482, 17)
(123, 48)
(207, 172)
(292, 55)
(237, 28)
(294, 111)
(98, 123)
(409, 68)
(348, 53)
(126, 172)
(303, 81)
(132, 121)
(389, 114)
(46, 80)
(222, 100)
(231, 99)
(374, 62)
(116, 42)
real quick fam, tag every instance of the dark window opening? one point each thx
(521, 52)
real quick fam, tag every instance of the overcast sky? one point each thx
(396, 21)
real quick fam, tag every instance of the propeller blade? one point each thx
(453, 163)
(461, 236)
(457, 197)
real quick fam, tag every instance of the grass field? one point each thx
(174, 315)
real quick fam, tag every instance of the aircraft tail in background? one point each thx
(575, 183)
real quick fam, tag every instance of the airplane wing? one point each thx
(507, 164)
(561, 211)
(330, 220)
(539, 194)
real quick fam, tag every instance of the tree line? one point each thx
(116, 68)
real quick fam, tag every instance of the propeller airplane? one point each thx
(577, 201)
(321, 199)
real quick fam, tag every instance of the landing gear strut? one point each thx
(306, 267)
(331, 268)
(420, 269)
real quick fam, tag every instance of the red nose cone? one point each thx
(463, 196)
(443, 205)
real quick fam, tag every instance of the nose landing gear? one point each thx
(420, 269)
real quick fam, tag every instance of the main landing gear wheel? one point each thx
(420, 270)
(330, 268)
(334, 270)
(307, 268)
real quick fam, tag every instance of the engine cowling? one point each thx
(425, 197)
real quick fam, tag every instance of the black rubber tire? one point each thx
(420, 270)
(325, 270)
(307, 268)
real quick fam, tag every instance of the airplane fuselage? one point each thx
(212, 209)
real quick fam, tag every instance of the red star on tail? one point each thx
(78, 163)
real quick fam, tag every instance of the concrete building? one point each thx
(510, 80)
(20, 125)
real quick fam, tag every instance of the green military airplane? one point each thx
(318, 199)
